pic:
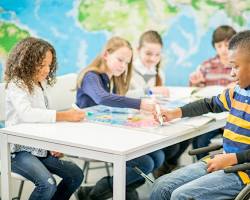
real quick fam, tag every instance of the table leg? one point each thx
(5, 167)
(119, 183)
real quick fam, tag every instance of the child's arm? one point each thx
(221, 161)
(92, 86)
(20, 100)
(201, 107)
(224, 160)
(162, 90)
(196, 79)
(71, 115)
(193, 109)
(243, 157)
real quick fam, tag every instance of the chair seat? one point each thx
(15, 175)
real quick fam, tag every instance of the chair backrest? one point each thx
(2, 102)
(62, 94)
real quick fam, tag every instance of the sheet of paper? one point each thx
(208, 91)
(195, 122)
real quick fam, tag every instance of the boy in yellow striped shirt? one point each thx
(207, 180)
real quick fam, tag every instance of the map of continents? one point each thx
(79, 29)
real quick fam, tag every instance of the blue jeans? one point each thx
(39, 170)
(193, 182)
(158, 158)
(204, 140)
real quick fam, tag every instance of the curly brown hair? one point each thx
(25, 60)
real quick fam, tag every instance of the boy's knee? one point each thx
(181, 194)
(160, 192)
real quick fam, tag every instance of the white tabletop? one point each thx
(119, 140)
(97, 137)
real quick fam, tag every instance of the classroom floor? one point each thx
(95, 175)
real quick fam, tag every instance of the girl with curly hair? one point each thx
(31, 66)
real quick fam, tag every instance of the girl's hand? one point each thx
(196, 78)
(148, 105)
(75, 115)
(221, 161)
(56, 154)
(161, 90)
(71, 115)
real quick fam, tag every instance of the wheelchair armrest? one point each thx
(205, 149)
(239, 167)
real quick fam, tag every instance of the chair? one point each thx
(86, 167)
(63, 93)
(245, 192)
(20, 188)
(65, 86)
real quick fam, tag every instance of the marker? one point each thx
(157, 107)
(158, 112)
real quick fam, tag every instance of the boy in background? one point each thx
(214, 71)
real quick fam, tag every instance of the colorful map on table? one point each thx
(129, 117)
(120, 116)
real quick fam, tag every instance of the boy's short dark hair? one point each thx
(222, 33)
(240, 40)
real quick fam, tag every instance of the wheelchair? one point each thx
(245, 192)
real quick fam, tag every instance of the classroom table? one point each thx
(107, 143)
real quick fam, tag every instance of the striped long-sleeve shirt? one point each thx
(236, 136)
